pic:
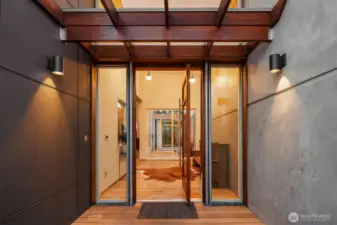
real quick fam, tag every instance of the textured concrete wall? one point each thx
(292, 132)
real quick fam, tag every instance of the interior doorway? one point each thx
(159, 173)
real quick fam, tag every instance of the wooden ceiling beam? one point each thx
(89, 49)
(168, 49)
(222, 10)
(276, 12)
(208, 48)
(161, 34)
(53, 9)
(250, 47)
(111, 11)
(165, 61)
(129, 48)
(240, 18)
(177, 52)
(166, 5)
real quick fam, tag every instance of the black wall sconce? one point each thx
(277, 62)
(55, 65)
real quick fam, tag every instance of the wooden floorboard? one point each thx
(161, 190)
(126, 215)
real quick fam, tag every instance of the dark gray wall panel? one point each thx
(84, 68)
(27, 40)
(84, 197)
(38, 141)
(59, 209)
(43, 154)
(84, 145)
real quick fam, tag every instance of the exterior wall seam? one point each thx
(34, 80)
(25, 208)
(293, 86)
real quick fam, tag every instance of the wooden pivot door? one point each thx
(186, 146)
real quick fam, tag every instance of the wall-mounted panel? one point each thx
(27, 38)
(84, 141)
(83, 196)
(38, 141)
(84, 71)
(59, 209)
(44, 117)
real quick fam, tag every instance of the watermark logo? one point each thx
(294, 217)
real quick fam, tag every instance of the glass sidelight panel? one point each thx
(111, 149)
(225, 146)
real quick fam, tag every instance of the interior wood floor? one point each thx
(126, 215)
(157, 190)
(169, 155)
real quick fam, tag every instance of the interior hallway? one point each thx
(102, 215)
(160, 190)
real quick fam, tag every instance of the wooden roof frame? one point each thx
(222, 25)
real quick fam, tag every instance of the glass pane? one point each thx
(115, 43)
(225, 127)
(259, 3)
(149, 43)
(74, 4)
(164, 132)
(229, 43)
(159, 4)
(188, 43)
(117, 3)
(194, 3)
(200, 4)
(111, 134)
(141, 4)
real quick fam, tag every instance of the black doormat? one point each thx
(167, 210)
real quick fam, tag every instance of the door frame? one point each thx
(131, 116)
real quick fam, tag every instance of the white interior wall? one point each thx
(163, 92)
(111, 86)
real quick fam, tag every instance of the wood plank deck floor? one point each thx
(125, 215)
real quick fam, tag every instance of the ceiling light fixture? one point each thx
(192, 79)
(148, 76)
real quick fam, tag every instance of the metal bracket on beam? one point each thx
(63, 34)
(271, 34)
